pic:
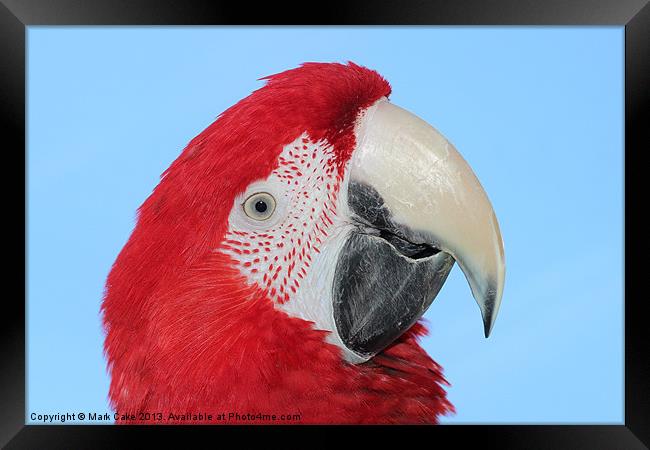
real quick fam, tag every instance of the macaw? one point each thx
(279, 271)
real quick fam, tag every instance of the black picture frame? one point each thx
(634, 15)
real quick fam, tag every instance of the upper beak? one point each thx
(431, 196)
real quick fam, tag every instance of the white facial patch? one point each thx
(292, 255)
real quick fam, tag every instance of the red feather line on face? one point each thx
(184, 330)
(279, 258)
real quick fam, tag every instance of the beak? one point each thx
(413, 194)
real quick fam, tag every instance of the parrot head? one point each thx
(285, 258)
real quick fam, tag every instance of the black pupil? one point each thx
(261, 206)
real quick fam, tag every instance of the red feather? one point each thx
(186, 333)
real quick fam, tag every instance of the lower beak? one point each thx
(418, 207)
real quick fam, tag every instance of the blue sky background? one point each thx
(537, 112)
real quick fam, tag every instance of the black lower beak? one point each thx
(383, 281)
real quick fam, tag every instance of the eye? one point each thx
(259, 206)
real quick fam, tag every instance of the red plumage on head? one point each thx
(185, 332)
